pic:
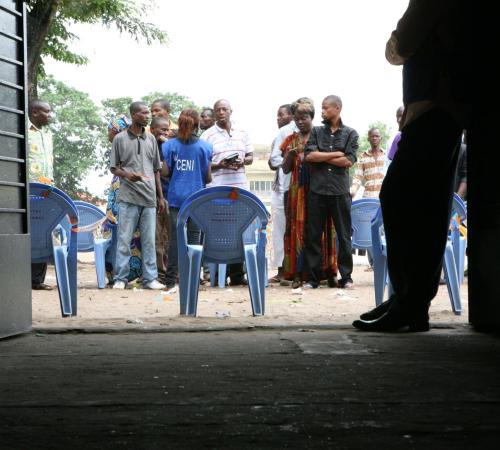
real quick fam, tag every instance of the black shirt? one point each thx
(327, 179)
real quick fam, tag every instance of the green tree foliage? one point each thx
(50, 22)
(78, 134)
(114, 106)
(120, 105)
(177, 102)
(385, 133)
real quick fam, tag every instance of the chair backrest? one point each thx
(229, 217)
(49, 207)
(362, 213)
(89, 215)
(459, 207)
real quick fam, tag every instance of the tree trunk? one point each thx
(40, 18)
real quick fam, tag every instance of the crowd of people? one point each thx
(157, 165)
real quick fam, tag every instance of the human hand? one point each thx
(160, 205)
(134, 177)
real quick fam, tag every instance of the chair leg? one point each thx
(222, 275)
(195, 253)
(212, 267)
(73, 272)
(253, 279)
(100, 247)
(61, 266)
(451, 276)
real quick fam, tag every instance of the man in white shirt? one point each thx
(232, 151)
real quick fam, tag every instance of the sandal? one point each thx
(275, 279)
(296, 284)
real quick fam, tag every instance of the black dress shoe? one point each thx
(395, 318)
(41, 287)
(333, 282)
(378, 311)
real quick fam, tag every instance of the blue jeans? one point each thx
(130, 215)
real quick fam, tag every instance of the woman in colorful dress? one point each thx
(292, 148)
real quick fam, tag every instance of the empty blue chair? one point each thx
(233, 222)
(459, 243)
(380, 272)
(90, 217)
(379, 252)
(53, 228)
(362, 213)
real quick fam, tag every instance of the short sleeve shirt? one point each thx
(137, 154)
(188, 164)
(225, 144)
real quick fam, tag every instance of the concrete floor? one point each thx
(289, 388)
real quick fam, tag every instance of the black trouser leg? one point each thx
(416, 200)
(340, 210)
(38, 272)
(317, 212)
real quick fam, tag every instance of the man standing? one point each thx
(207, 120)
(232, 151)
(136, 160)
(284, 117)
(161, 108)
(160, 130)
(371, 168)
(331, 150)
(41, 168)
(435, 96)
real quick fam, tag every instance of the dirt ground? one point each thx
(138, 308)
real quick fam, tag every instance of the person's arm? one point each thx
(337, 158)
(208, 178)
(160, 200)
(413, 29)
(115, 165)
(157, 163)
(289, 161)
(276, 158)
(347, 158)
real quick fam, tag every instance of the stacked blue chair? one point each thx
(380, 272)
(362, 213)
(53, 228)
(459, 243)
(379, 251)
(90, 218)
(233, 222)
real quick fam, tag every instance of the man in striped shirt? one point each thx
(371, 168)
(232, 151)
(228, 141)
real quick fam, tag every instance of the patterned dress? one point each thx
(296, 215)
(135, 244)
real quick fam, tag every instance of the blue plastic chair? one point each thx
(362, 213)
(53, 225)
(380, 272)
(90, 218)
(379, 252)
(459, 243)
(233, 222)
